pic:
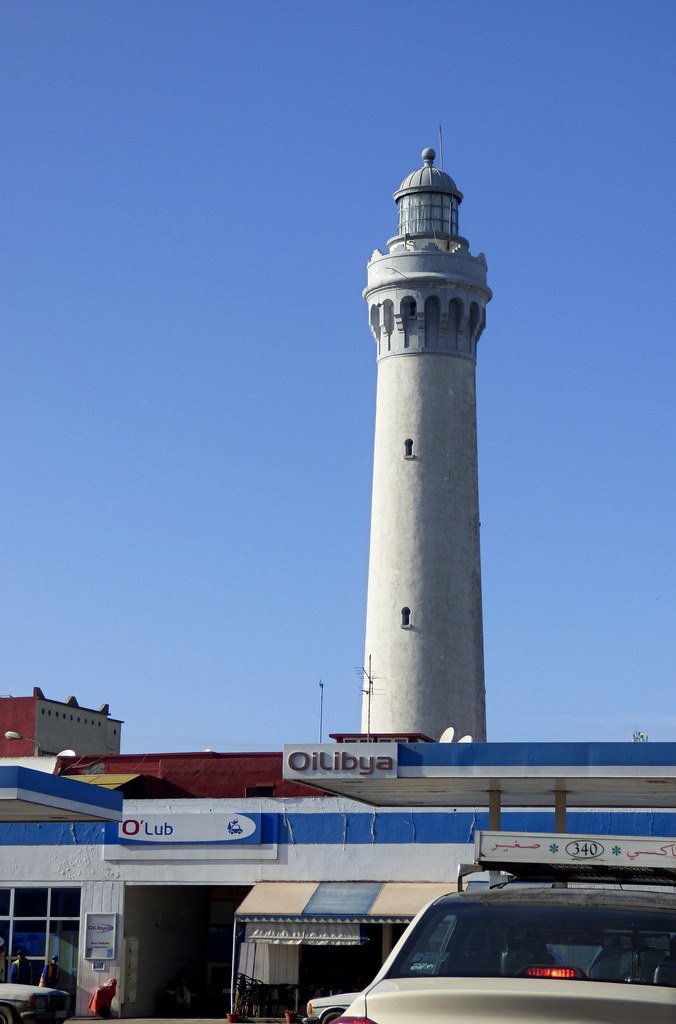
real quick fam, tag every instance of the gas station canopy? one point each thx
(492, 775)
(29, 795)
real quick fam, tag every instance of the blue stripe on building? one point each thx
(366, 829)
(545, 755)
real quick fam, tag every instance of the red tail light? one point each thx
(353, 1020)
(552, 972)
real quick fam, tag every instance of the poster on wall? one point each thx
(100, 935)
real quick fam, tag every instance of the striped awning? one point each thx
(325, 902)
(305, 932)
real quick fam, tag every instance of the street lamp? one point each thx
(37, 749)
(11, 735)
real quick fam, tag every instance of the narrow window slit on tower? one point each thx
(405, 618)
(432, 318)
(409, 312)
(408, 448)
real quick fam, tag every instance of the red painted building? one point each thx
(37, 725)
(200, 774)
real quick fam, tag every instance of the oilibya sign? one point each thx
(342, 760)
(100, 931)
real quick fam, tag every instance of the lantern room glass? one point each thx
(428, 213)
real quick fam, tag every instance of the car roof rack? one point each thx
(557, 857)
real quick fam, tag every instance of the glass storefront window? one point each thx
(64, 941)
(31, 936)
(45, 922)
(65, 903)
(30, 903)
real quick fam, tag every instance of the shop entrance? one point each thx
(324, 970)
(177, 950)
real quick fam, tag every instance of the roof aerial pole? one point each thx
(321, 709)
(441, 148)
(369, 697)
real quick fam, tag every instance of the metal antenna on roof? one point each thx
(368, 690)
(321, 708)
(441, 148)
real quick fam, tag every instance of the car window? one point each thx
(603, 944)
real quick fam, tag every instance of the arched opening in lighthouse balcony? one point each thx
(454, 320)
(409, 312)
(432, 322)
(408, 448)
(388, 321)
(475, 324)
(375, 321)
(405, 618)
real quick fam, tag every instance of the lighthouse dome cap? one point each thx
(428, 178)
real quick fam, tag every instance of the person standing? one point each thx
(21, 972)
(50, 974)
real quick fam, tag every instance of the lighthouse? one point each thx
(426, 296)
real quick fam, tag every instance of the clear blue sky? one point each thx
(190, 192)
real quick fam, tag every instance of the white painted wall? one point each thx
(102, 880)
(98, 896)
(425, 551)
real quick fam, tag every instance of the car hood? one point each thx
(8, 990)
(493, 1000)
(338, 999)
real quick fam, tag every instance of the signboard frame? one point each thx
(104, 928)
(573, 850)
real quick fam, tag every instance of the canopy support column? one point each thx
(494, 810)
(560, 810)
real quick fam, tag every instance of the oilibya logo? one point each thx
(339, 761)
(99, 927)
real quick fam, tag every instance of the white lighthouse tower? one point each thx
(427, 308)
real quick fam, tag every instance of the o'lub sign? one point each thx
(190, 828)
